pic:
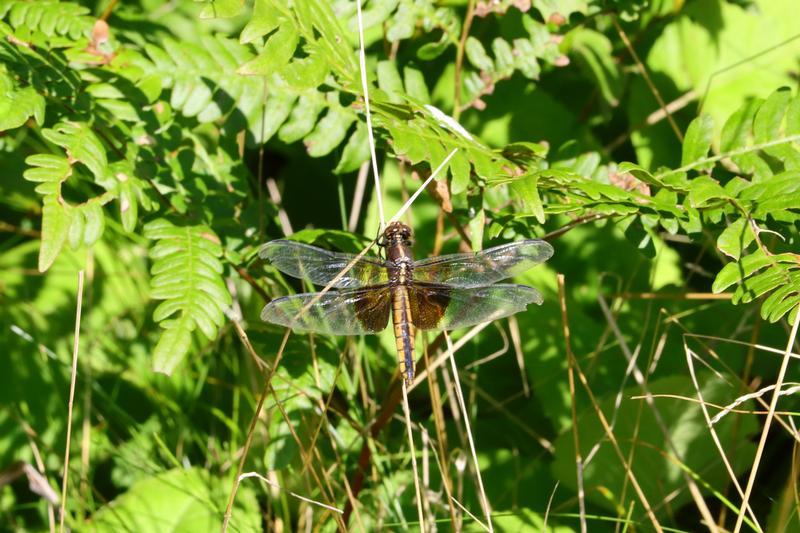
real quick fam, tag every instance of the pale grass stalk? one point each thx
(549, 506)
(251, 430)
(786, 425)
(37, 456)
(494, 355)
(767, 423)
(294, 494)
(752, 396)
(275, 197)
(72, 379)
(743, 343)
(516, 340)
(466, 511)
(694, 490)
(407, 204)
(615, 445)
(643, 71)
(713, 432)
(543, 442)
(562, 297)
(729, 408)
(407, 413)
(304, 452)
(358, 197)
(438, 361)
(86, 425)
(460, 396)
(426, 474)
(268, 388)
(437, 411)
(362, 62)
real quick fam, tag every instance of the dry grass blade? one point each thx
(767, 423)
(646, 76)
(694, 490)
(615, 445)
(410, 201)
(412, 451)
(358, 197)
(460, 396)
(72, 379)
(516, 340)
(549, 506)
(562, 297)
(275, 197)
(712, 431)
(251, 430)
(294, 494)
(362, 63)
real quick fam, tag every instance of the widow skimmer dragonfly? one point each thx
(439, 293)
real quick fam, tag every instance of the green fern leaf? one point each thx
(50, 18)
(17, 105)
(81, 144)
(187, 275)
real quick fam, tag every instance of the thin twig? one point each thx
(646, 76)
(72, 379)
(462, 42)
(767, 423)
(674, 296)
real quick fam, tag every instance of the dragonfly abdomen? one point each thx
(403, 331)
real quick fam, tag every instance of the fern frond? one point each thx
(51, 18)
(202, 77)
(18, 104)
(187, 275)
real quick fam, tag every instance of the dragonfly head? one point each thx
(395, 233)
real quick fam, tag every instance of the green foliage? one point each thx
(158, 148)
(176, 500)
(187, 276)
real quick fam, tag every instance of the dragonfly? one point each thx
(438, 293)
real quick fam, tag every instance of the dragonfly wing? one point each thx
(320, 266)
(346, 312)
(436, 306)
(483, 268)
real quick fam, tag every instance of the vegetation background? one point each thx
(154, 146)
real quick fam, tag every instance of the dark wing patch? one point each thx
(320, 266)
(435, 306)
(428, 304)
(348, 312)
(483, 268)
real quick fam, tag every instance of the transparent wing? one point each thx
(321, 266)
(435, 306)
(483, 268)
(348, 312)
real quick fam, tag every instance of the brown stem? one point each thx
(460, 59)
